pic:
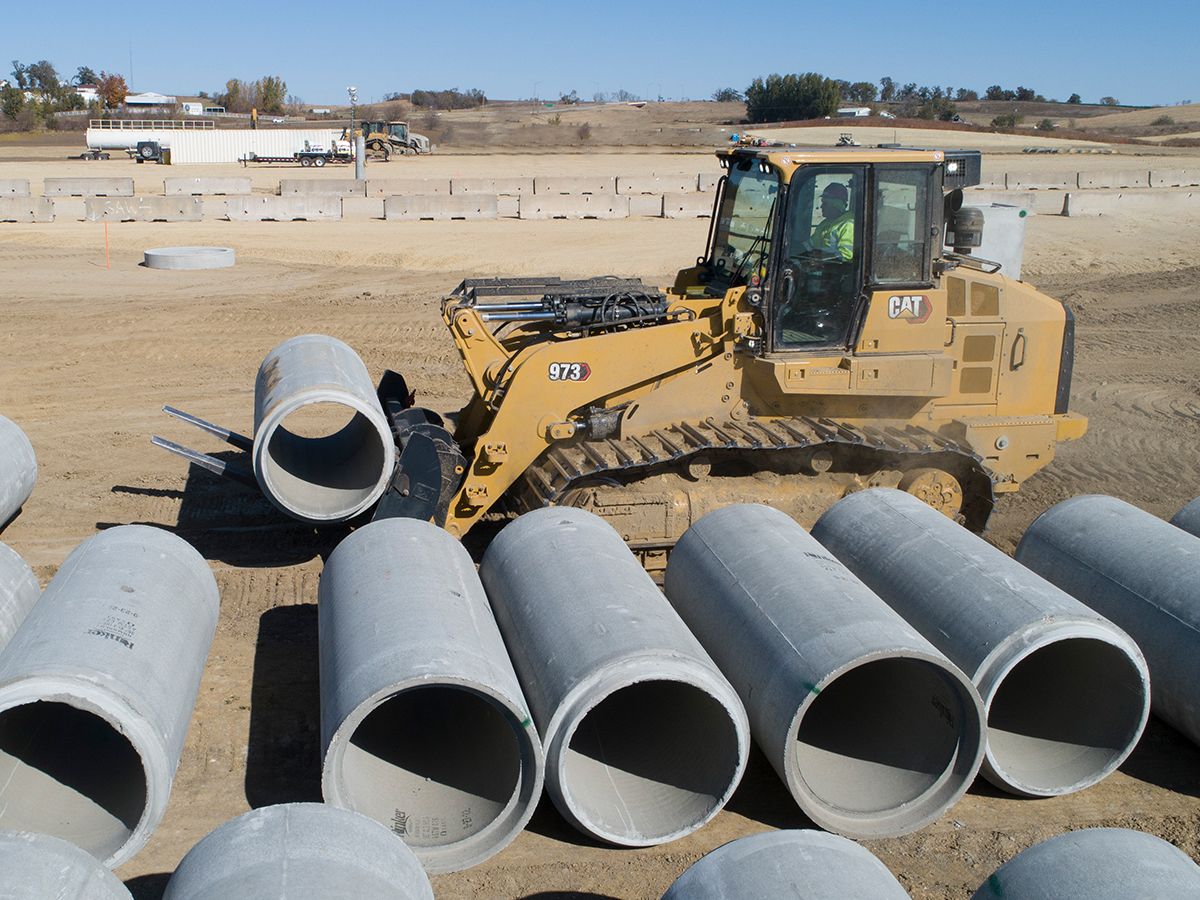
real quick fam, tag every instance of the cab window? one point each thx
(902, 225)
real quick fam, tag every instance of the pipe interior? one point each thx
(324, 459)
(69, 773)
(651, 759)
(436, 764)
(1064, 714)
(881, 735)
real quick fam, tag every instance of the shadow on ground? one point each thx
(148, 887)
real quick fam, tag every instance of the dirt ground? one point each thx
(89, 354)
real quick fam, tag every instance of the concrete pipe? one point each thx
(19, 590)
(298, 851)
(874, 732)
(38, 867)
(18, 469)
(1141, 573)
(645, 739)
(424, 727)
(1066, 692)
(97, 688)
(1188, 518)
(323, 449)
(1096, 864)
(807, 864)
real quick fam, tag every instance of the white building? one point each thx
(89, 92)
(853, 112)
(149, 98)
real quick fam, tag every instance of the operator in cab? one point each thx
(834, 235)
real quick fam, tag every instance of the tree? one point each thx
(42, 75)
(112, 90)
(1109, 101)
(1074, 98)
(1045, 125)
(235, 98)
(11, 101)
(728, 95)
(270, 93)
(778, 98)
(1025, 94)
(570, 99)
(966, 95)
(1006, 122)
(887, 89)
(995, 92)
(863, 92)
(20, 76)
(84, 75)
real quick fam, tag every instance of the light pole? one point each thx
(352, 91)
(356, 141)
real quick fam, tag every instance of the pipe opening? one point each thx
(651, 759)
(881, 735)
(436, 764)
(69, 773)
(324, 460)
(1066, 713)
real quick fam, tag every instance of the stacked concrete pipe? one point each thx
(1066, 692)
(19, 590)
(424, 726)
(1138, 571)
(1096, 864)
(873, 730)
(298, 851)
(39, 867)
(809, 864)
(1188, 518)
(323, 449)
(97, 688)
(645, 739)
(18, 469)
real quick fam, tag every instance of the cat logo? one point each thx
(912, 308)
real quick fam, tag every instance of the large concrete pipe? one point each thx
(805, 864)
(298, 851)
(1138, 571)
(1188, 518)
(97, 688)
(19, 590)
(424, 726)
(874, 732)
(1096, 864)
(1066, 692)
(41, 867)
(323, 450)
(18, 469)
(645, 739)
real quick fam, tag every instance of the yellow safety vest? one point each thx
(836, 236)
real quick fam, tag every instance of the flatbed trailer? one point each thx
(304, 158)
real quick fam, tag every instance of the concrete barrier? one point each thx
(26, 209)
(14, 187)
(646, 205)
(283, 209)
(362, 207)
(508, 207)
(387, 187)
(143, 209)
(1040, 181)
(707, 181)
(656, 184)
(440, 209)
(555, 184)
(87, 187)
(340, 187)
(1101, 203)
(1174, 177)
(69, 209)
(1126, 179)
(575, 206)
(1042, 203)
(197, 187)
(511, 186)
(687, 206)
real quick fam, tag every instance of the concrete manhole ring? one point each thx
(190, 258)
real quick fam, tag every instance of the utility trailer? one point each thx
(306, 158)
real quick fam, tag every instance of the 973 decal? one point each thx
(570, 371)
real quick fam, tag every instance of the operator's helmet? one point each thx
(837, 192)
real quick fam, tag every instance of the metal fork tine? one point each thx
(203, 460)
(230, 437)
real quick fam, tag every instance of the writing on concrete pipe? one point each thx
(777, 863)
(424, 726)
(19, 590)
(298, 851)
(39, 866)
(97, 689)
(1188, 518)
(874, 732)
(323, 449)
(1066, 692)
(645, 738)
(18, 469)
(1095, 864)
(1138, 571)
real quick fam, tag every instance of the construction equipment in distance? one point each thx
(385, 138)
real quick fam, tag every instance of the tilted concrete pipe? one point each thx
(424, 726)
(298, 851)
(805, 864)
(19, 590)
(874, 732)
(41, 867)
(1188, 518)
(18, 469)
(645, 739)
(323, 449)
(1096, 864)
(1138, 571)
(1066, 692)
(97, 688)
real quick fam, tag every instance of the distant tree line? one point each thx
(268, 95)
(52, 94)
(451, 98)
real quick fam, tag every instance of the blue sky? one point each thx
(1138, 54)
